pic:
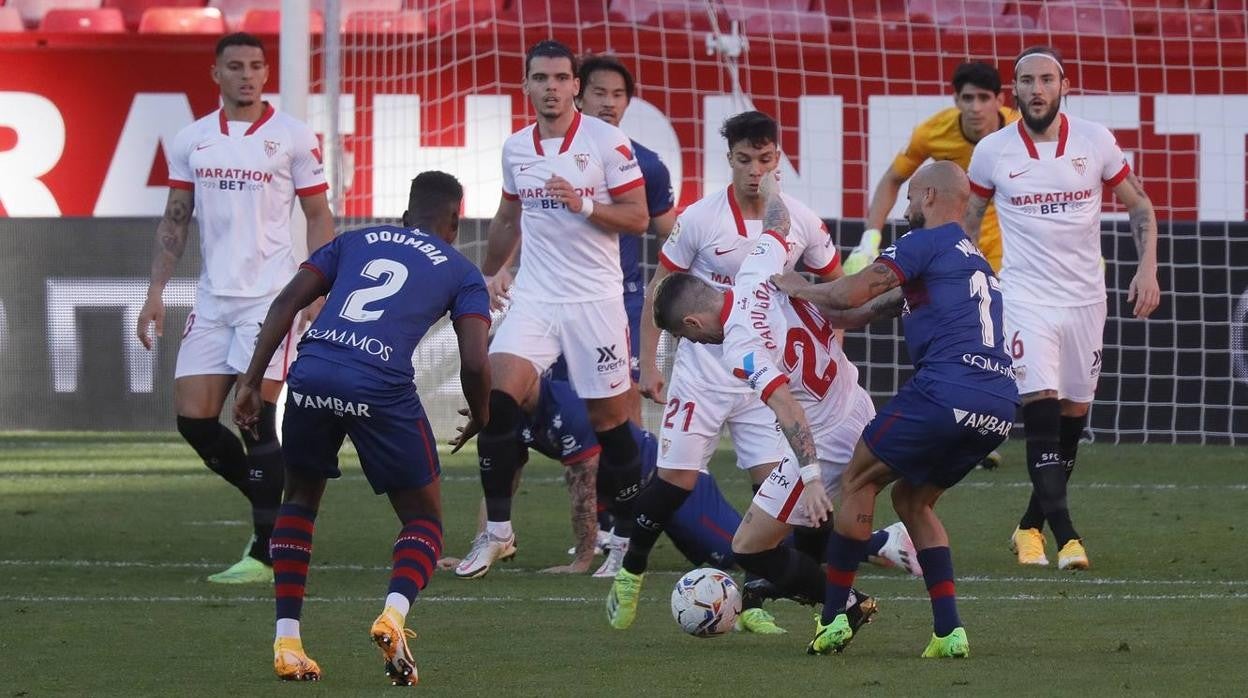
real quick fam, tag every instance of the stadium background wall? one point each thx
(69, 359)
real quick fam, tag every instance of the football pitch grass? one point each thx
(105, 541)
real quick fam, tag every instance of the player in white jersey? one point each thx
(572, 183)
(710, 240)
(239, 170)
(1045, 177)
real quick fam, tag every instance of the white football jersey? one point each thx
(1048, 200)
(245, 177)
(770, 339)
(566, 258)
(711, 239)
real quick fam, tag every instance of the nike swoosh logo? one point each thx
(201, 146)
(525, 167)
(719, 252)
(616, 384)
(1019, 174)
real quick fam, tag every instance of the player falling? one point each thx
(387, 286)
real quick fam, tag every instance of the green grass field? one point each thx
(105, 541)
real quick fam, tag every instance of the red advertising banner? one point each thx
(83, 120)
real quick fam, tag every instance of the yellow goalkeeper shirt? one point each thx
(941, 138)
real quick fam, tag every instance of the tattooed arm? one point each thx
(171, 235)
(1144, 290)
(792, 420)
(582, 479)
(776, 214)
(975, 209)
(884, 307)
(848, 292)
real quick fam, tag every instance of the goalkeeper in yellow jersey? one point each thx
(950, 134)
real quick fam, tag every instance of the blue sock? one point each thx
(937, 566)
(844, 554)
(878, 539)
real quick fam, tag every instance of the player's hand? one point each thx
(769, 184)
(815, 499)
(1144, 292)
(153, 312)
(790, 282)
(651, 383)
(448, 563)
(499, 288)
(562, 190)
(308, 315)
(469, 429)
(247, 405)
(867, 250)
(579, 566)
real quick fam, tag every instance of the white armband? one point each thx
(587, 207)
(810, 472)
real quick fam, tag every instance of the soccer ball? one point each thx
(705, 602)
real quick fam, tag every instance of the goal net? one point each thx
(436, 84)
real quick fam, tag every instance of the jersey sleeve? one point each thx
(659, 196)
(767, 259)
(747, 349)
(509, 179)
(681, 246)
(620, 164)
(1114, 167)
(910, 256)
(820, 256)
(306, 166)
(979, 173)
(178, 158)
(914, 154)
(472, 298)
(324, 261)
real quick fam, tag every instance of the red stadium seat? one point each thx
(856, 10)
(103, 21)
(32, 11)
(943, 12)
(1086, 18)
(270, 22)
(132, 10)
(1147, 16)
(11, 20)
(569, 12)
(785, 23)
(1204, 25)
(463, 14)
(397, 22)
(181, 20)
(688, 15)
(349, 7)
(234, 10)
(987, 24)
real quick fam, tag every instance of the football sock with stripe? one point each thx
(416, 552)
(266, 477)
(937, 566)
(844, 555)
(1044, 464)
(498, 455)
(291, 551)
(654, 507)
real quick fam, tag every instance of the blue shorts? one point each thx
(935, 433)
(326, 402)
(702, 528)
(633, 303)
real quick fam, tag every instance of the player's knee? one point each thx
(215, 444)
(505, 414)
(1042, 419)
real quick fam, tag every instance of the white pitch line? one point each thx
(973, 579)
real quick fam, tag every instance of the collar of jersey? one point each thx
(1063, 132)
(736, 212)
(567, 137)
(269, 111)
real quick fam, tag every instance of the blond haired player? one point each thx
(240, 170)
(1045, 177)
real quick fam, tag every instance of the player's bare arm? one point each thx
(662, 226)
(503, 237)
(792, 420)
(305, 287)
(651, 379)
(626, 214)
(976, 206)
(1144, 290)
(884, 307)
(171, 235)
(885, 197)
(320, 233)
(582, 479)
(473, 334)
(847, 292)
(775, 213)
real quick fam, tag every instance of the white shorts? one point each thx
(220, 335)
(1056, 348)
(592, 337)
(780, 495)
(694, 417)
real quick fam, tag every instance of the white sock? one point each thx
(398, 602)
(287, 627)
(500, 530)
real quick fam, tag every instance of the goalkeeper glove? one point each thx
(867, 250)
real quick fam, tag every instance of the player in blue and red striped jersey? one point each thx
(958, 406)
(386, 285)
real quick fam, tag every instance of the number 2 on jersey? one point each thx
(980, 290)
(395, 273)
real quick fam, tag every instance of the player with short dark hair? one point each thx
(574, 185)
(958, 405)
(386, 286)
(239, 170)
(1046, 177)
